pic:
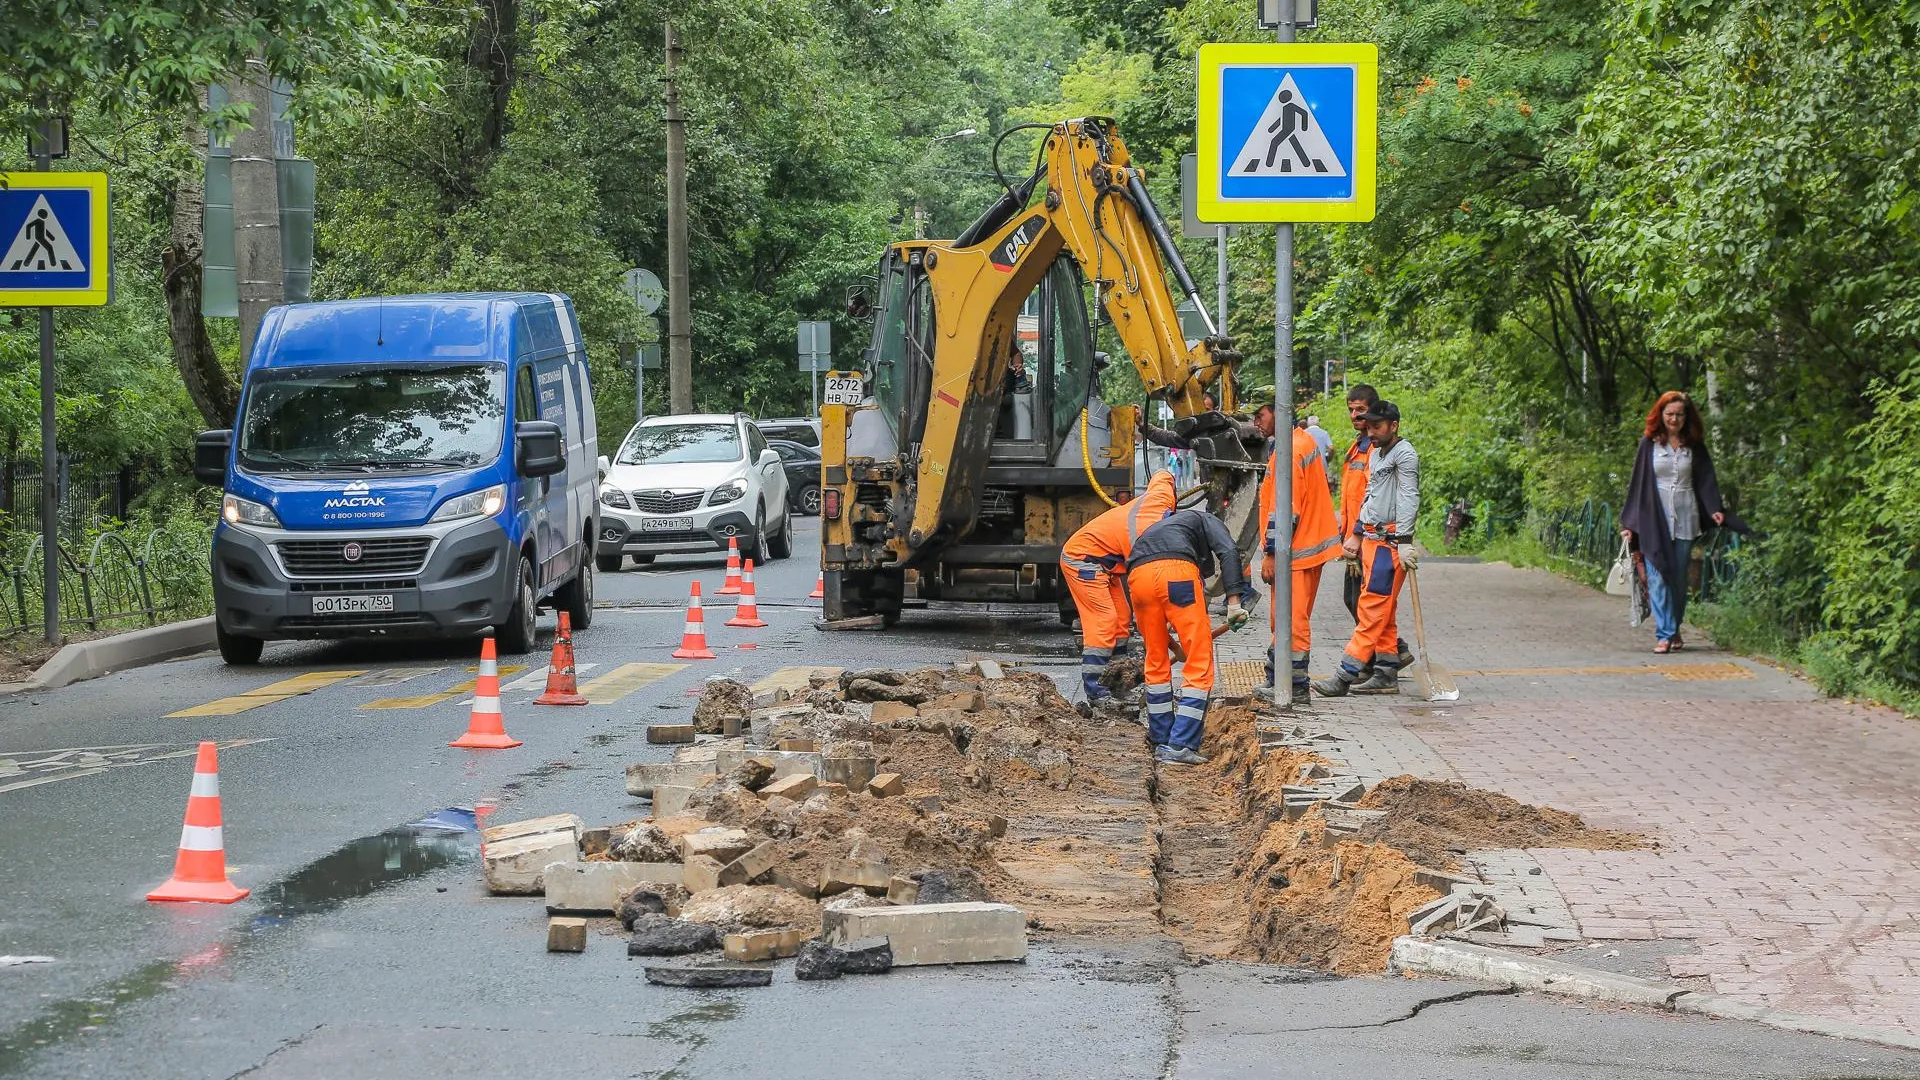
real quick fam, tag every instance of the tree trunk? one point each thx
(256, 205)
(491, 53)
(208, 384)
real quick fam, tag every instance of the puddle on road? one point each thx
(689, 1030)
(355, 869)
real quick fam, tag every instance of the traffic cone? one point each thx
(747, 611)
(693, 641)
(731, 586)
(200, 869)
(562, 686)
(485, 731)
(819, 587)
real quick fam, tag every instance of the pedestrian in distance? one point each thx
(1671, 496)
(1323, 440)
(1093, 563)
(1166, 582)
(1382, 542)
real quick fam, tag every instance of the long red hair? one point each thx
(1693, 431)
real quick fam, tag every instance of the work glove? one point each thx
(1409, 558)
(1236, 616)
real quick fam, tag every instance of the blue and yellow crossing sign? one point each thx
(53, 239)
(1287, 132)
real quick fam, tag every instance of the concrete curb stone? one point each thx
(135, 648)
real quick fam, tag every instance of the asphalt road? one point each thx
(365, 952)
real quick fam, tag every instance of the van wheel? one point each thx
(236, 650)
(576, 598)
(781, 545)
(608, 564)
(516, 635)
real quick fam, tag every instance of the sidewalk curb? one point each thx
(1459, 959)
(91, 659)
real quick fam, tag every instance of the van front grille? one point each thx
(397, 556)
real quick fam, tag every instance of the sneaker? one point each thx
(1178, 755)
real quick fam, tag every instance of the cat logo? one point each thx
(1007, 255)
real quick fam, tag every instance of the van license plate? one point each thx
(666, 524)
(348, 605)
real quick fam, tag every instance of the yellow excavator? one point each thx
(979, 443)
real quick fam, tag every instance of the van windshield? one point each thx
(681, 444)
(420, 418)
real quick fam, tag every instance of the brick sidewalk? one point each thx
(1788, 825)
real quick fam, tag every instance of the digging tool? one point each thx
(1436, 683)
(1220, 627)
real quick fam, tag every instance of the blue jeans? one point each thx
(1669, 604)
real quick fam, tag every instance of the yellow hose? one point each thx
(1086, 459)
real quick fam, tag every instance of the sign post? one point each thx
(1287, 133)
(647, 292)
(816, 354)
(53, 253)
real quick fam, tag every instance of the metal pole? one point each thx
(639, 382)
(1283, 434)
(679, 278)
(1220, 276)
(813, 379)
(49, 456)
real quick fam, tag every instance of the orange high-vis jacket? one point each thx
(1353, 483)
(1108, 539)
(1316, 532)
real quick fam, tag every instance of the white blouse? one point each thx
(1673, 476)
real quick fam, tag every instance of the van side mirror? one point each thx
(210, 452)
(605, 468)
(538, 448)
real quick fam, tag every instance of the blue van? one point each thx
(406, 466)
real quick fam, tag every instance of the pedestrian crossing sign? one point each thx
(1287, 132)
(53, 239)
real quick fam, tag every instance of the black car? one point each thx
(803, 474)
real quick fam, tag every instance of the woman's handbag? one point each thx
(1620, 577)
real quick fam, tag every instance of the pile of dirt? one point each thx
(1122, 675)
(1435, 821)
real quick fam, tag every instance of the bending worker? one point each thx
(1316, 542)
(1166, 579)
(1093, 563)
(1385, 523)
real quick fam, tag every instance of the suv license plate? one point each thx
(348, 605)
(666, 524)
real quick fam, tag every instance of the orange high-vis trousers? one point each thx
(1168, 594)
(1381, 578)
(1101, 597)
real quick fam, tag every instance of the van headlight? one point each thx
(239, 511)
(483, 503)
(731, 491)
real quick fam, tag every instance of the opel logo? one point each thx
(351, 552)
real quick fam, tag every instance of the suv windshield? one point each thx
(421, 417)
(681, 444)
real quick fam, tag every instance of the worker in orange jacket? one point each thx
(1355, 478)
(1316, 542)
(1093, 563)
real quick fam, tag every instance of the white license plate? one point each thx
(842, 390)
(666, 524)
(348, 605)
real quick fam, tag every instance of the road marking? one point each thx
(791, 679)
(397, 675)
(270, 693)
(537, 678)
(624, 680)
(424, 700)
(1720, 672)
(53, 766)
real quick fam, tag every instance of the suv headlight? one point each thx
(731, 491)
(615, 498)
(239, 511)
(483, 503)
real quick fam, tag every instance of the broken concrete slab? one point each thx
(966, 933)
(964, 701)
(839, 875)
(534, 826)
(670, 800)
(566, 934)
(658, 935)
(796, 787)
(751, 865)
(595, 888)
(853, 772)
(702, 873)
(887, 784)
(888, 712)
(669, 734)
(902, 890)
(784, 762)
(709, 976)
(721, 843)
(754, 945)
(517, 866)
(644, 777)
(596, 841)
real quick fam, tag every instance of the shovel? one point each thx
(1436, 683)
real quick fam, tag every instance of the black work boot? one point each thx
(1384, 680)
(1334, 685)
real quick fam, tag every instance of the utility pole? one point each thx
(1283, 432)
(256, 205)
(679, 279)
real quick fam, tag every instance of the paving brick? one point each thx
(642, 778)
(796, 787)
(670, 800)
(902, 890)
(785, 762)
(887, 712)
(662, 734)
(531, 826)
(935, 933)
(722, 843)
(886, 784)
(839, 875)
(763, 944)
(595, 888)
(566, 934)
(751, 865)
(965, 701)
(701, 873)
(517, 865)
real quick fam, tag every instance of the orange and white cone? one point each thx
(200, 869)
(693, 641)
(747, 611)
(819, 587)
(731, 586)
(485, 729)
(563, 687)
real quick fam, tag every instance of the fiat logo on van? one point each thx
(351, 552)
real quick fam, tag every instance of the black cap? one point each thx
(1382, 410)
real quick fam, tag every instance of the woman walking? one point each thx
(1672, 494)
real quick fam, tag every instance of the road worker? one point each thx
(1166, 580)
(1316, 542)
(1384, 525)
(1093, 564)
(1353, 494)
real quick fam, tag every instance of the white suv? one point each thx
(688, 484)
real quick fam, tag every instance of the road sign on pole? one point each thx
(1287, 132)
(816, 354)
(645, 288)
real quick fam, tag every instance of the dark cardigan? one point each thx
(1644, 515)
